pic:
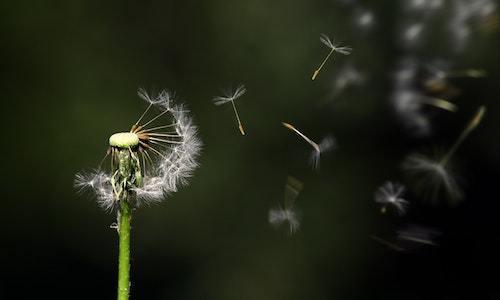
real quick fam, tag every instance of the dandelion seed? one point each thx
(386, 243)
(408, 104)
(416, 234)
(288, 213)
(333, 48)
(435, 174)
(348, 76)
(438, 78)
(230, 97)
(327, 144)
(391, 194)
(439, 103)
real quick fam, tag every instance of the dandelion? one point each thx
(328, 143)
(230, 97)
(333, 48)
(288, 213)
(391, 194)
(435, 174)
(146, 163)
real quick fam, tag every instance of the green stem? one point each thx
(124, 251)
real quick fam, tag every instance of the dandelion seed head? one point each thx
(391, 193)
(163, 157)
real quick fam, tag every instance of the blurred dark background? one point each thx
(69, 75)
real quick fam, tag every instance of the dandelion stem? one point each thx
(124, 251)
(238, 118)
(474, 122)
(316, 72)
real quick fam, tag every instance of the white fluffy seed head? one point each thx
(163, 170)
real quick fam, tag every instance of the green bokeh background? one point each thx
(70, 72)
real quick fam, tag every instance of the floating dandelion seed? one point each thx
(435, 174)
(288, 213)
(409, 102)
(147, 163)
(230, 97)
(333, 48)
(439, 103)
(386, 243)
(328, 143)
(410, 237)
(347, 77)
(416, 234)
(391, 194)
(438, 78)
